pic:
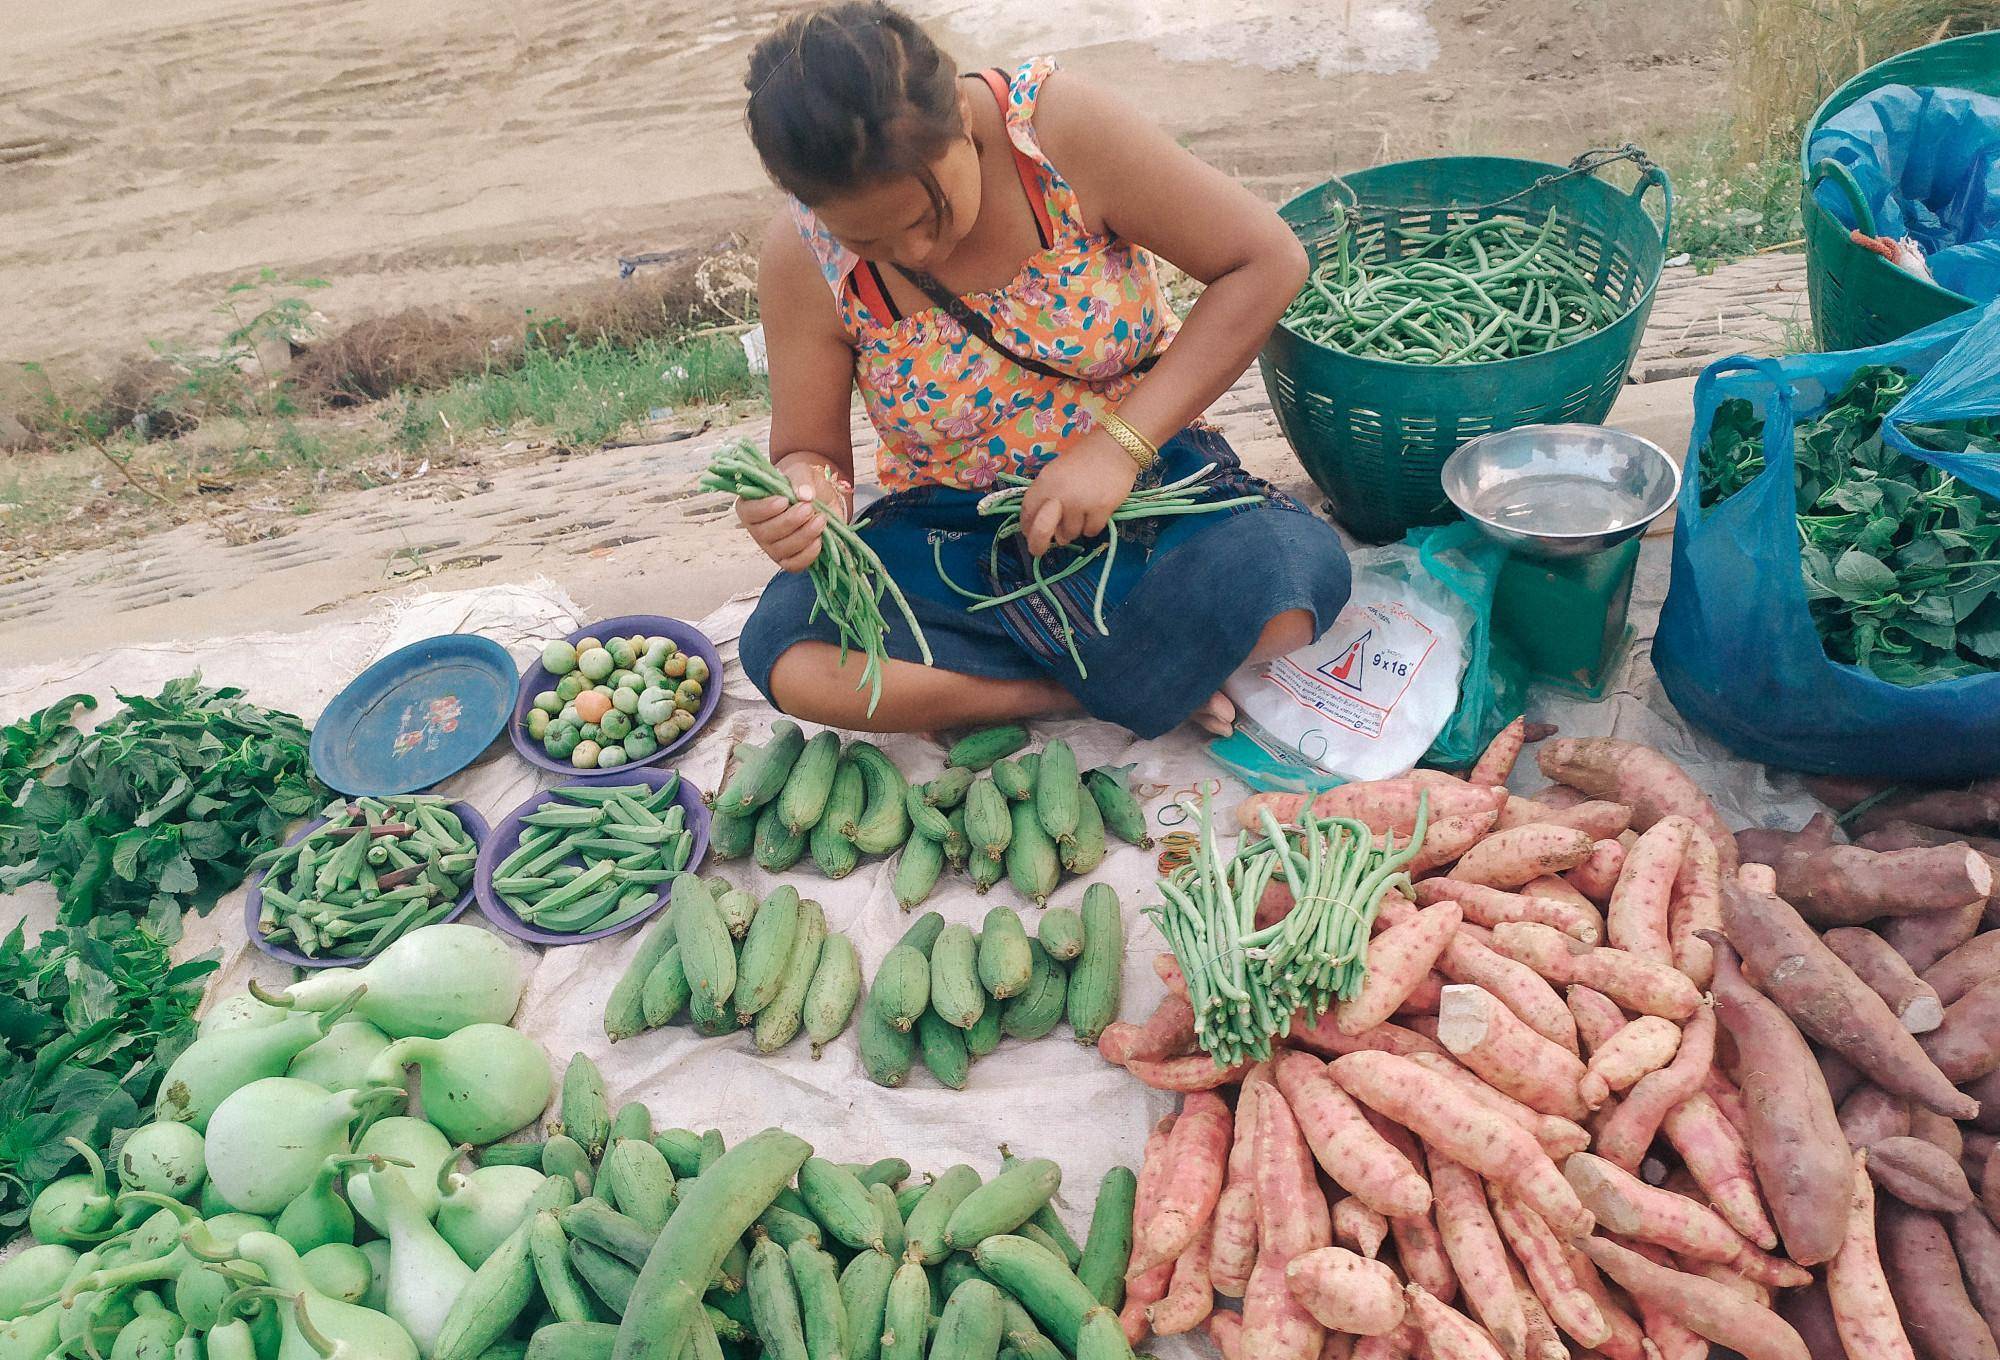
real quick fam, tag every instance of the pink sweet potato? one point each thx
(1597, 877)
(1197, 1152)
(1381, 804)
(1548, 1267)
(1604, 821)
(1194, 1072)
(1863, 1310)
(1448, 838)
(1478, 1255)
(1398, 959)
(1627, 1340)
(1168, 1033)
(1714, 1152)
(1358, 1227)
(1526, 993)
(1149, 1287)
(1626, 1205)
(1190, 1298)
(1276, 1326)
(1346, 1292)
(1597, 1016)
(1292, 1213)
(1966, 1045)
(1643, 779)
(1625, 1134)
(1508, 859)
(1964, 968)
(1491, 906)
(1448, 1331)
(1488, 1038)
(1168, 969)
(1638, 1049)
(1558, 1136)
(1233, 1231)
(1710, 1309)
(1636, 984)
(1496, 762)
(1667, 1334)
(1696, 906)
(1922, 1175)
(1346, 1146)
(1912, 1000)
(1636, 918)
(1923, 940)
(1225, 1329)
(1928, 1285)
(1324, 1037)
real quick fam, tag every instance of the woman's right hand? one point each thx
(789, 531)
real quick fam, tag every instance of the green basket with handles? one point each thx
(1374, 433)
(1859, 299)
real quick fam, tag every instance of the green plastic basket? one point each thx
(1374, 433)
(1858, 298)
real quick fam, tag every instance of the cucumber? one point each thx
(624, 1014)
(1058, 791)
(1044, 1285)
(1061, 933)
(947, 791)
(584, 1111)
(1095, 978)
(1004, 961)
(774, 1303)
(902, 987)
(779, 1021)
(609, 1277)
(666, 991)
(708, 955)
(1012, 780)
(883, 823)
(810, 783)
(1039, 1008)
(923, 932)
(889, 1171)
(892, 1217)
(785, 1227)
(887, 1053)
(918, 870)
(1107, 1247)
(560, 1287)
(1048, 1223)
(909, 1196)
(956, 1270)
(1124, 816)
(988, 823)
(841, 1203)
(681, 1149)
(817, 1282)
(1102, 1337)
(1021, 1336)
(906, 1317)
(942, 1047)
(760, 968)
(738, 907)
(639, 1180)
(487, 1305)
(833, 991)
(1031, 856)
(572, 1341)
(1040, 1236)
(731, 834)
(864, 1295)
(924, 1228)
(956, 995)
(563, 1156)
(1084, 850)
(832, 851)
(970, 1326)
(761, 773)
(983, 1035)
(956, 847)
(985, 872)
(597, 1223)
(633, 1120)
(777, 847)
(925, 821)
(1003, 1203)
(977, 750)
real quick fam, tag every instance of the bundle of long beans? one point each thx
(849, 580)
(1488, 289)
(1155, 502)
(1247, 985)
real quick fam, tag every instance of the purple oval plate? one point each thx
(253, 900)
(507, 837)
(536, 678)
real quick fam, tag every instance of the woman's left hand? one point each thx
(1074, 495)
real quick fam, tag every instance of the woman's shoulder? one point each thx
(795, 243)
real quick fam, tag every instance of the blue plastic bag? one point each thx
(1927, 162)
(1736, 648)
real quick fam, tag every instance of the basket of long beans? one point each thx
(1448, 298)
(1249, 983)
(1181, 497)
(849, 580)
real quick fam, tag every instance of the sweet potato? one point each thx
(1923, 940)
(1938, 1131)
(1642, 1047)
(1358, 1227)
(1556, 888)
(1398, 959)
(1846, 885)
(1488, 1038)
(1194, 1072)
(1786, 959)
(1841, 1076)
(1225, 1329)
(1190, 1298)
(1624, 1204)
(1149, 1287)
(1643, 779)
(1381, 804)
(1705, 1307)
(1965, 967)
(1337, 1346)
(1628, 1339)
(1496, 762)
(1419, 1249)
(1400, 1344)
(1870, 1114)
(1597, 1016)
(1508, 859)
(1449, 838)
(1276, 1326)
(1913, 1001)
(1524, 991)
(1233, 1230)
(1597, 877)
(1636, 984)
(1558, 1136)
(1346, 1292)
(1967, 1045)
(1979, 1149)
(1696, 906)
(1490, 907)
(1448, 1331)
(1168, 969)
(1977, 1244)
(1478, 1255)
(1757, 878)
(1624, 1135)
(1920, 1174)
(1973, 808)
(1324, 1037)
(1167, 1033)
(1346, 1146)
(1796, 1145)
(1811, 1317)
(1292, 1213)
(1929, 1287)
(1636, 918)
(1671, 1337)
(1603, 820)
(1197, 1151)
(1544, 1341)
(1714, 1152)
(1569, 1306)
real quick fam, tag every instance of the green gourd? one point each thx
(316, 1325)
(164, 1157)
(199, 1292)
(480, 1083)
(76, 1208)
(215, 1065)
(425, 1274)
(428, 983)
(476, 1210)
(340, 1061)
(400, 1139)
(321, 1214)
(33, 1273)
(339, 1270)
(267, 1140)
(376, 1249)
(151, 1334)
(242, 1011)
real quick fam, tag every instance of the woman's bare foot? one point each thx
(1216, 716)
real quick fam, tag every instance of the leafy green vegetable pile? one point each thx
(158, 809)
(1901, 562)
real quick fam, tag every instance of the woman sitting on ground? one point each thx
(976, 252)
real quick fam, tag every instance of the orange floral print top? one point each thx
(949, 409)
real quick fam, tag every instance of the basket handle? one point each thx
(1655, 175)
(1590, 162)
(1864, 220)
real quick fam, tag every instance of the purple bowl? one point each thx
(253, 900)
(536, 678)
(507, 838)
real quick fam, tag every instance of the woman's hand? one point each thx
(1074, 495)
(789, 531)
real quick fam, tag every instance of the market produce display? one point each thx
(594, 856)
(1484, 290)
(369, 871)
(848, 579)
(615, 700)
(1901, 562)
(946, 997)
(997, 811)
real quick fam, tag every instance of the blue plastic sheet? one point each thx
(1736, 647)
(1928, 164)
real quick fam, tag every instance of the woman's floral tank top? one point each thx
(950, 409)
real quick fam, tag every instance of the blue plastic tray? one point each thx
(420, 714)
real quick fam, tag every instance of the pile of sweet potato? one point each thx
(1576, 1108)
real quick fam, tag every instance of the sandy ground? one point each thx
(498, 150)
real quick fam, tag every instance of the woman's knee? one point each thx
(1283, 633)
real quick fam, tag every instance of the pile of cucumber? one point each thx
(676, 1235)
(726, 961)
(595, 856)
(993, 813)
(946, 997)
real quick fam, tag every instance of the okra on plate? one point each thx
(595, 856)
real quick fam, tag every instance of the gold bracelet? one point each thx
(1143, 450)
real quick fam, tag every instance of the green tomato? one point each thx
(621, 651)
(626, 701)
(558, 658)
(585, 756)
(666, 730)
(640, 743)
(596, 663)
(614, 725)
(697, 669)
(605, 690)
(569, 715)
(655, 705)
(687, 695)
(589, 732)
(655, 653)
(570, 686)
(631, 680)
(682, 720)
(584, 644)
(611, 757)
(675, 666)
(548, 702)
(538, 723)
(560, 740)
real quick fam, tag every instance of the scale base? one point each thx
(1567, 618)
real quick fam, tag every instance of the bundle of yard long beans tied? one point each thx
(1248, 983)
(1484, 290)
(849, 580)
(1155, 502)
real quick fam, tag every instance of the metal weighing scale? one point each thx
(1569, 502)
